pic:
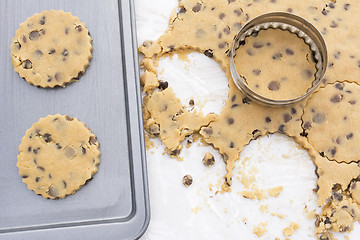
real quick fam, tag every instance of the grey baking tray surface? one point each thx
(114, 204)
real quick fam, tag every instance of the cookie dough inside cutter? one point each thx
(294, 24)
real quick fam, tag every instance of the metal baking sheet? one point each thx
(114, 204)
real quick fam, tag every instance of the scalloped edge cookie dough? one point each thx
(57, 155)
(51, 48)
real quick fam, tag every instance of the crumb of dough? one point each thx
(196, 209)
(260, 229)
(148, 64)
(149, 144)
(288, 231)
(149, 81)
(275, 192)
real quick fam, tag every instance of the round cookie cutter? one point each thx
(294, 24)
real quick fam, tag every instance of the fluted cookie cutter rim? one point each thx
(294, 24)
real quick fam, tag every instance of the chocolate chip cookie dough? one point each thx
(325, 125)
(58, 154)
(51, 48)
(276, 64)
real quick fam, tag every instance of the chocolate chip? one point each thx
(208, 130)
(187, 180)
(208, 159)
(27, 64)
(222, 45)
(346, 6)
(171, 48)
(209, 53)
(319, 118)
(250, 52)
(25, 176)
(338, 196)
(339, 86)
(274, 85)
(331, 5)
(37, 179)
(38, 53)
(68, 118)
(267, 119)
(289, 10)
(191, 102)
(281, 128)
(196, 8)
(92, 140)
(231, 145)
(36, 150)
(246, 100)
(49, 79)
(29, 149)
(293, 111)
(52, 51)
(332, 151)
(53, 191)
(83, 150)
(230, 121)
(67, 31)
(289, 52)
(324, 12)
(258, 45)
(234, 105)
(41, 168)
(64, 183)
(238, 12)
(35, 161)
(43, 31)
(287, 117)
(34, 35)
(233, 97)
(230, 1)
(222, 16)
(47, 137)
(58, 146)
(333, 24)
(276, 56)
(65, 53)
(353, 186)
(154, 130)
(42, 20)
(327, 220)
(308, 74)
(256, 71)
(349, 136)
(182, 10)
(336, 98)
(78, 28)
(338, 140)
(58, 76)
(50, 175)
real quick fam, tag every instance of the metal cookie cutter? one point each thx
(294, 24)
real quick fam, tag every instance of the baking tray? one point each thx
(115, 203)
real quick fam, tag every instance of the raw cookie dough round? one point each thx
(51, 48)
(58, 154)
(276, 64)
(331, 119)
